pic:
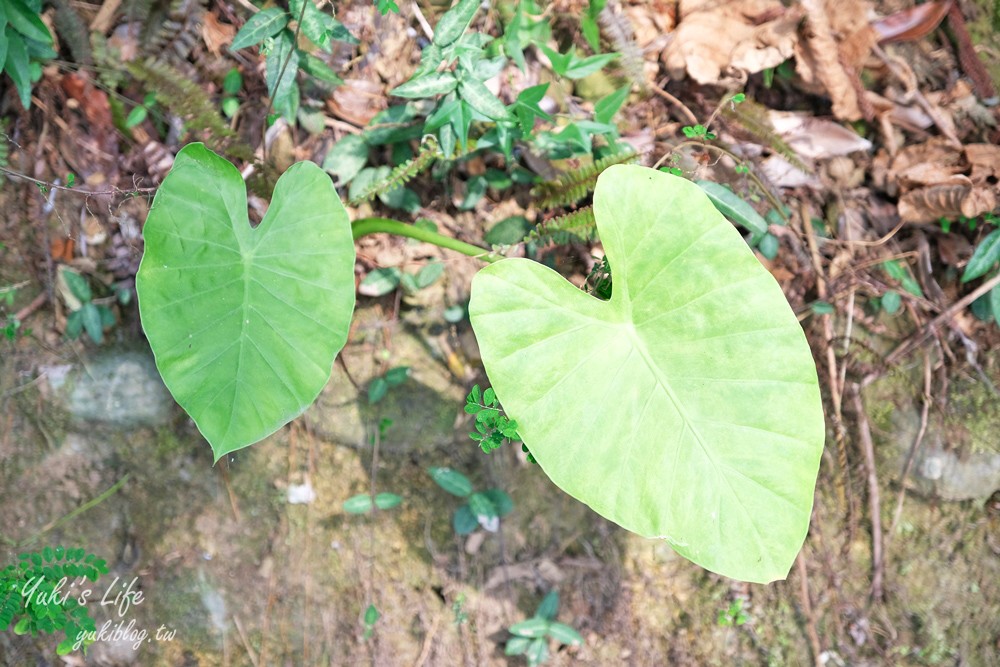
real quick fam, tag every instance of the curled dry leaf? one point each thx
(938, 180)
(723, 42)
(357, 101)
(215, 33)
(821, 58)
(911, 24)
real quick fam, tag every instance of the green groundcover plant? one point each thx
(685, 408)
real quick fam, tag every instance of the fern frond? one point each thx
(403, 173)
(182, 97)
(579, 225)
(752, 118)
(618, 29)
(572, 186)
(179, 32)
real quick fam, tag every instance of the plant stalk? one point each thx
(366, 226)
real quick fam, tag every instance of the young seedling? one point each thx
(493, 428)
(482, 509)
(90, 317)
(380, 386)
(531, 637)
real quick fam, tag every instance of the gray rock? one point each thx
(952, 462)
(120, 388)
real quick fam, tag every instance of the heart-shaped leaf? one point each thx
(687, 407)
(244, 322)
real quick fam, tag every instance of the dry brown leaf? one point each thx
(818, 58)
(722, 43)
(933, 203)
(937, 151)
(954, 249)
(984, 160)
(216, 34)
(980, 200)
(357, 101)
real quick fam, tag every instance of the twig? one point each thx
(79, 510)
(939, 121)
(246, 642)
(931, 327)
(425, 650)
(224, 471)
(874, 504)
(676, 102)
(807, 609)
(35, 304)
(914, 448)
(424, 25)
(116, 192)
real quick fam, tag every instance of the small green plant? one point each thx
(25, 42)
(454, 114)
(91, 317)
(371, 618)
(531, 637)
(891, 300)
(231, 86)
(36, 595)
(362, 503)
(493, 428)
(734, 615)
(983, 262)
(11, 324)
(141, 111)
(697, 132)
(270, 28)
(380, 386)
(459, 615)
(385, 280)
(482, 509)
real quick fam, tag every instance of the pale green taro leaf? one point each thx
(244, 322)
(687, 407)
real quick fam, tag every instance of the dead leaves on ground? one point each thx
(936, 180)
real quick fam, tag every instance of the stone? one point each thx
(120, 388)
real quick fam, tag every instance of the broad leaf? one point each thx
(479, 97)
(533, 627)
(735, 208)
(685, 408)
(17, 66)
(265, 23)
(454, 22)
(451, 481)
(27, 21)
(987, 254)
(428, 85)
(244, 322)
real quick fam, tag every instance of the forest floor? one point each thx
(878, 138)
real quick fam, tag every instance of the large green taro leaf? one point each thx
(687, 407)
(244, 322)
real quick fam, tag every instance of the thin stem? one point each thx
(366, 226)
(79, 510)
(77, 191)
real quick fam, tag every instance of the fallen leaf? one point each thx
(814, 138)
(723, 42)
(216, 34)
